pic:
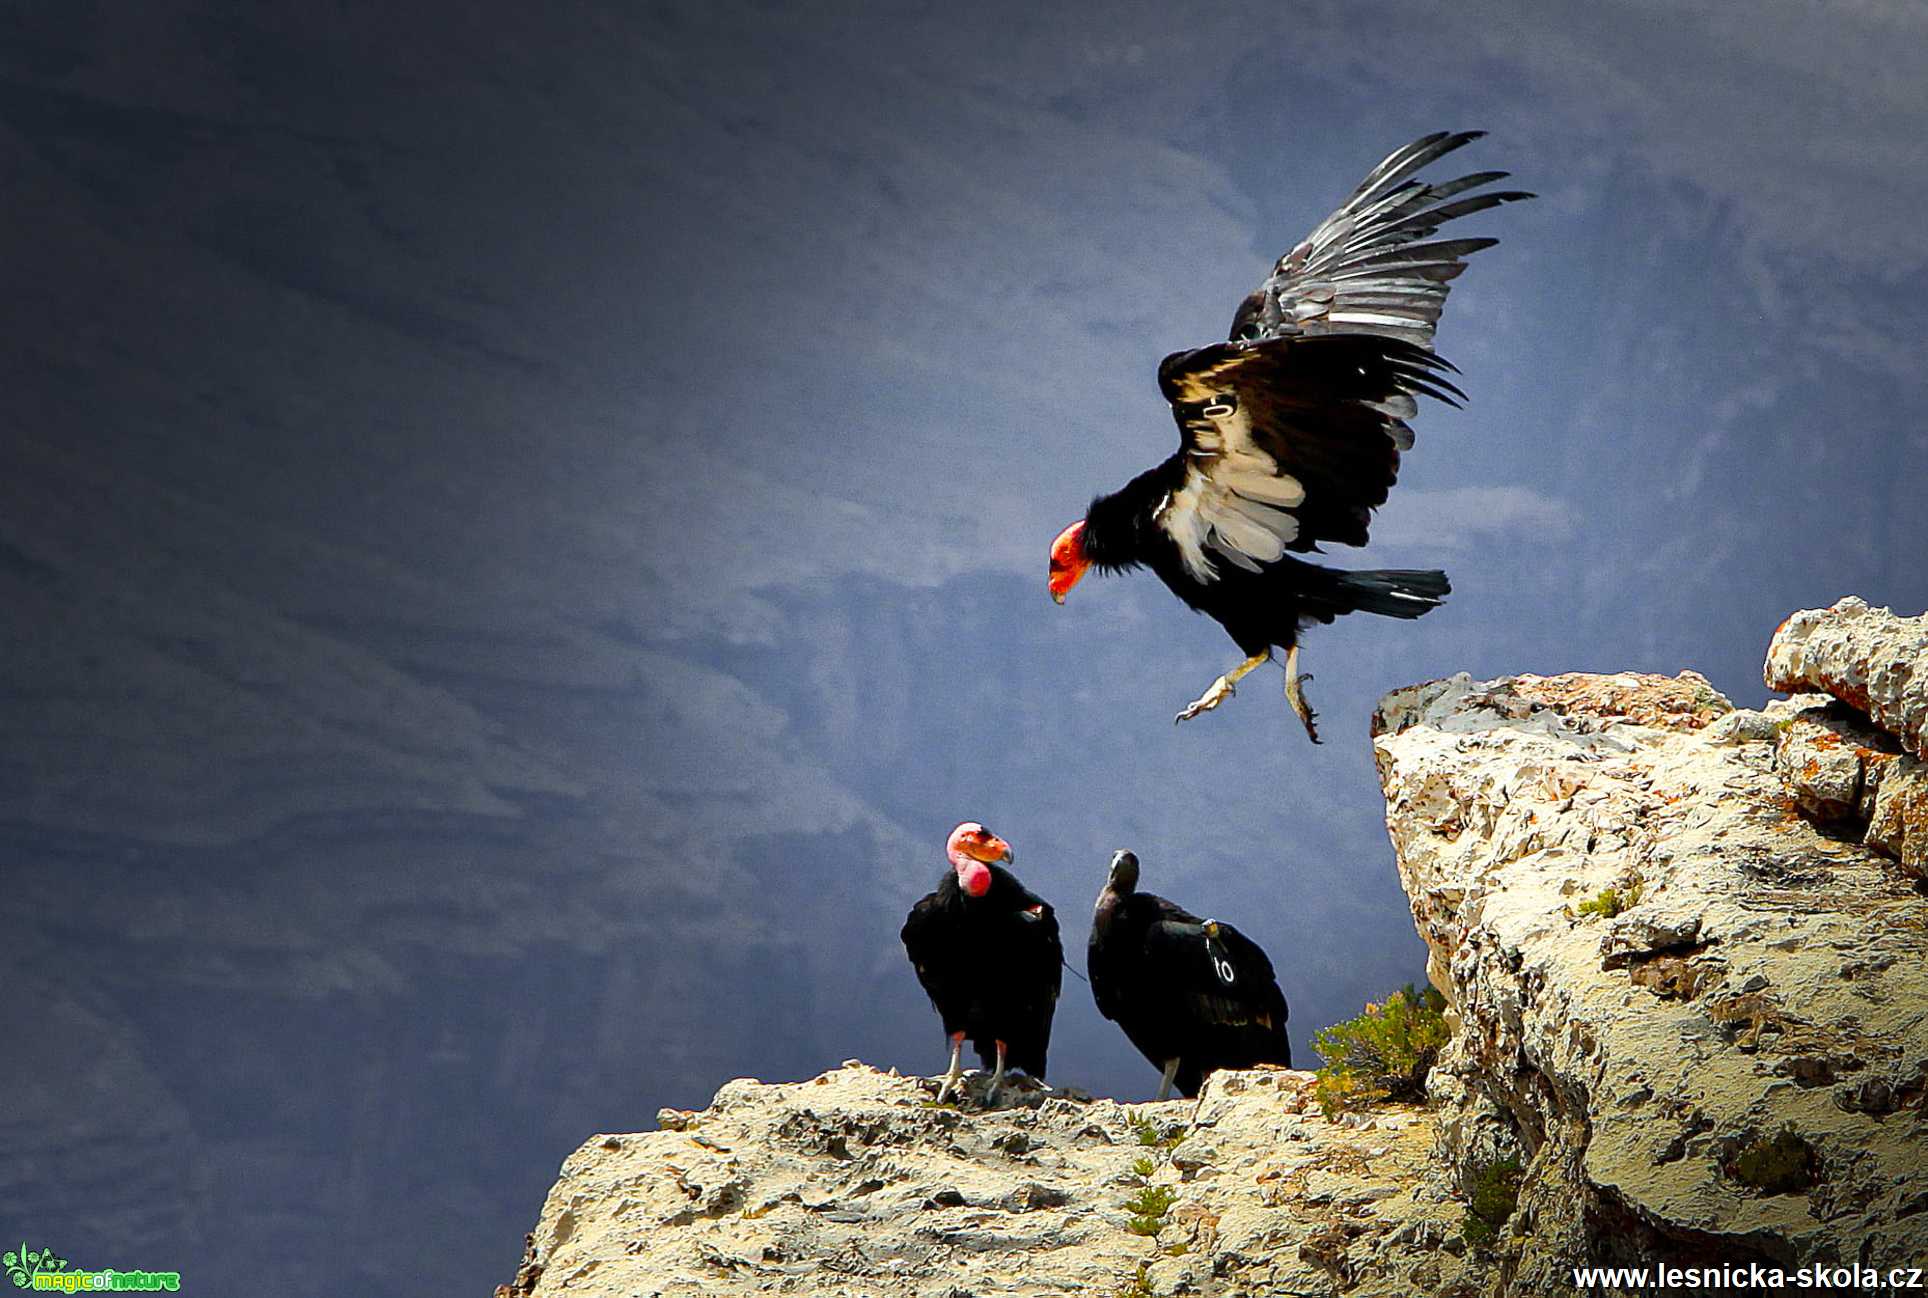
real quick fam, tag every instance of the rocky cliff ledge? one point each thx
(1687, 975)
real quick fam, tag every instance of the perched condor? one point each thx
(1194, 995)
(986, 949)
(1290, 434)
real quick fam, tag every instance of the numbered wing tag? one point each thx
(1220, 958)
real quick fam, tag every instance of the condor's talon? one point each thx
(1221, 690)
(997, 1078)
(954, 1078)
(1295, 694)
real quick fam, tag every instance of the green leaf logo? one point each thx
(24, 1265)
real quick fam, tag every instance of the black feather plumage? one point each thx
(1198, 991)
(1290, 434)
(990, 965)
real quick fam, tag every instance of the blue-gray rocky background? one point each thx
(521, 527)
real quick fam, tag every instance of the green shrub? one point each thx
(1492, 1193)
(1383, 1054)
(1148, 1208)
(1611, 901)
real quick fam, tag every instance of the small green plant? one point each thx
(1612, 901)
(1148, 1208)
(1777, 1164)
(1147, 1132)
(1149, 1203)
(1385, 1053)
(1492, 1194)
(1139, 1286)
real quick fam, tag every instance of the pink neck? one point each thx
(973, 876)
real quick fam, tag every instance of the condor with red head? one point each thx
(1290, 433)
(987, 952)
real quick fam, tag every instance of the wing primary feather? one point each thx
(1436, 250)
(1447, 188)
(1421, 223)
(1409, 374)
(1394, 163)
(1402, 162)
(1427, 389)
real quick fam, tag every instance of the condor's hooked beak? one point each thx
(1068, 561)
(973, 849)
(973, 842)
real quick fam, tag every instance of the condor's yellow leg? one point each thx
(955, 1077)
(1222, 688)
(1295, 693)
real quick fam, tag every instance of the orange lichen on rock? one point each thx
(1688, 701)
(1870, 659)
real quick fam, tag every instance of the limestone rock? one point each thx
(1760, 977)
(1754, 725)
(1870, 659)
(1898, 820)
(856, 1183)
(1832, 762)
(1845, 760)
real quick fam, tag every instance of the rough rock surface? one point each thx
(1868, 658)
(1748, 976)
(1851, 776)
(1844, 754)
(856, 1183)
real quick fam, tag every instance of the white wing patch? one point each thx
(1180, 518)
(1233, 503)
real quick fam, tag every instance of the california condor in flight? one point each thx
(986, 950)
(1194, 995)
(1290, 433)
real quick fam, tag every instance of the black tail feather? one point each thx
(1393, 592)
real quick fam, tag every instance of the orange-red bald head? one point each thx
(1068, 562)
(970, 847)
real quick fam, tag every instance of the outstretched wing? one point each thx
(1373, 265)
(1288, 442)
(1291, 432)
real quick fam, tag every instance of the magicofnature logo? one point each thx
(40, 1269)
